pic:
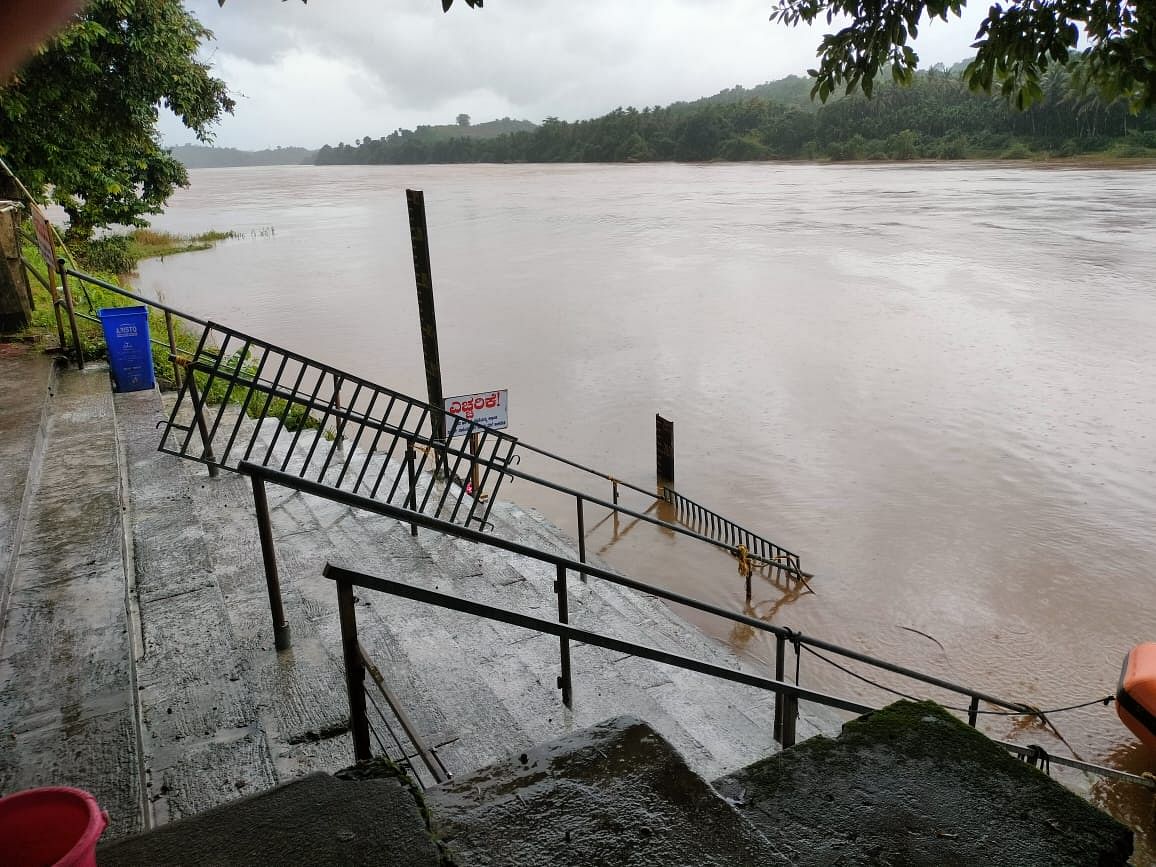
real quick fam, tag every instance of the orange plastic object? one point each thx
(1136, 692)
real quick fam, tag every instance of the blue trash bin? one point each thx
(130, 352)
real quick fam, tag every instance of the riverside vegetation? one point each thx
(108, 259)
(935, 117)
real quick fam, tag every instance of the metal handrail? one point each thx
(783, 635)
(573, 633)
(348, 578)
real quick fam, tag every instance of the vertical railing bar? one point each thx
(473, 463)
(581, 537)
(339, 435)
(476, 452)
(184, 446)
(441, 456)
(376, 437)
(780, 673)
(198, 415)
(489, 465)
(334, 401)
(245, 404)
(354, 671)
(973, 711)
(411, 496)
(389, 455)
(284, 413)
(352, 448)
(231, 379)
(211, 372)
(494, 494)
(452, 476)
(381, 425)
(260, 417)
(282, 638)
(173, 348)
(301, 426)
(564, 682)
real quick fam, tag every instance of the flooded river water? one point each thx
(934, 383)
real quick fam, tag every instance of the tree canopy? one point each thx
(1015, 45)
(936, 116)
(79, 119)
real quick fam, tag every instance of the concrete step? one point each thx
(613, 794)
(204, 739)
(911, 784)
(68, 713)
(318, 820)
(476, 689)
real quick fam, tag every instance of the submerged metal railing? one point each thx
(381, 443)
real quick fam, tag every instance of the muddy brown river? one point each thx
(933, 382)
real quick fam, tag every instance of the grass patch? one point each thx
(149, 243)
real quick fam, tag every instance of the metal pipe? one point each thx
(564, 682)
(282, 639)
(973, 711)
(354, 672)
(68, 306)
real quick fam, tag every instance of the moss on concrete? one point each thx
(911, 784)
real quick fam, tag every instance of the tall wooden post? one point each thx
(664, 448)
(419, 239)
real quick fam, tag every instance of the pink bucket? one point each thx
(50, 827)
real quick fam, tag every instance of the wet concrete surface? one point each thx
(614, 794)
(477, 691)
(67, 714)
(317, 820)
(911, 784)
(26, 381)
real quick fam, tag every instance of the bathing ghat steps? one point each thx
(136, 660)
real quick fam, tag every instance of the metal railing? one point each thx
(382, 442)
(784, 719)
(787, 695)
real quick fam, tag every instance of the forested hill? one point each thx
(201, 157)
(936, 117)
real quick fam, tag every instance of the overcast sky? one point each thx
(339, 70)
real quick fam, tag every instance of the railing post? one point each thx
(790, 716)
(780, 673)
(337, 383)
(411, 502)
(354, 671)
(581, 535)
(973, 711)
(71, 310)
(199, 415)
(564, 683)
(173, 349)
(281, 636)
